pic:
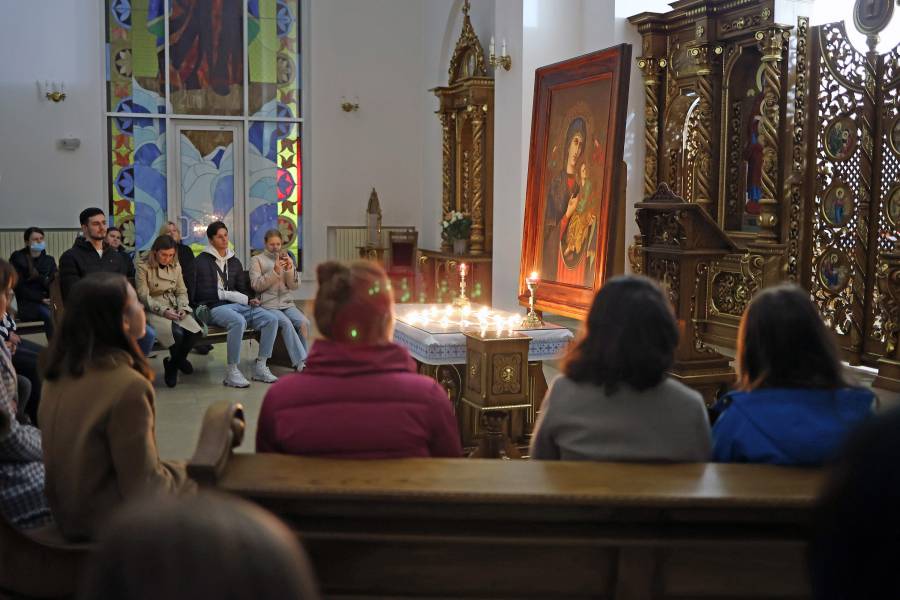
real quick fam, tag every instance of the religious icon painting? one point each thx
(840, 138)
(577, 143)
(894, 136)
(893, 207)
(837, 206)
(834, 270)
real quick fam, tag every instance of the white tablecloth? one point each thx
(449, 347)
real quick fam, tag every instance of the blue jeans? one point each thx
(146, 342)
(235, 318)
(289, 321)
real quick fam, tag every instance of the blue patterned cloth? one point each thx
(22, 500)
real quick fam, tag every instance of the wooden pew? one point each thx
(441, 528)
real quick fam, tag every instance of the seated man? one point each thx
(224, 287)
(89, 254)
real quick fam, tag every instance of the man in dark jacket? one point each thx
(90, 255)
(224, 287)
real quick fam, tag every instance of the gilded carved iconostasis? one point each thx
(786, 135)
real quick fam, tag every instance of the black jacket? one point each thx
(34, 283)
(81, 260)
(188, 270)
(207, 278)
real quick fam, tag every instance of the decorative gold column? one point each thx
(771, 44)
(446, 191)
(651, 68)
(707, 58)
(477, 239)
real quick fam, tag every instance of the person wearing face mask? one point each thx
(35, 269)
(161, 290)
(98, 411)
(274, 278)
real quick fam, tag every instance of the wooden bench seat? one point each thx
(29, 327)
(442, 528)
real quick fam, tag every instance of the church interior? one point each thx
(443, 299)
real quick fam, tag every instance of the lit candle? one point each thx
(464, 323)
(532, 279)
(463, 269)
(503, 50)
(433, 310)
(466, 310)
(511, 323)
(492, 48)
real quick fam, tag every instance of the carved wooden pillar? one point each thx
(447, 150)
(707, 58)
(771, 44)
(651, 68)
(888, 282)
(477, 206)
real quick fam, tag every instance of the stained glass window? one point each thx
(184, 75)
(273, 32)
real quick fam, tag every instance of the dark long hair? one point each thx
(91, 328)
(782, 342)
(203, 546)
(353, 303)
(630, 337)
(162, 242)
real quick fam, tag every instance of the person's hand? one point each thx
(254, 302)
(279, 266)
(172, 315)
(182, 314)
(11, 346)
(288, 263)
(14, 338)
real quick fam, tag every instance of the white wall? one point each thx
(372, 50)
(50, 40)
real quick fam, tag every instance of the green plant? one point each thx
(457, 226)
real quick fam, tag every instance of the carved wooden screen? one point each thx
(853, 170)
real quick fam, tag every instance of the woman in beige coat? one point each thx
(161, 289)
(97, 410)
(274, 278)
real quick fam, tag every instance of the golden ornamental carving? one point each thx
(468, 56)
(701, 272)
(667, 229)
(730, 291)
(507, 369)
(707, 58)
(473, 381)
(651, 68)
(636, 255)
(795, 213)
(666, 272)
(477, 205)
(446, 189)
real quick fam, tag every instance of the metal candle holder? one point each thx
(462, 300)
(531, 319)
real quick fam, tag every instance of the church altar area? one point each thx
(434, 334)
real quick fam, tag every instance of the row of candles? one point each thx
(484, 318)
(465, 317)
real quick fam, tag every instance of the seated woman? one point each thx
(613, 401)
(35, 269)
(22, 501)
(97, 412)
(360, 395)
(273, 277)
(161, 289)
(205, 546)
(795, 405)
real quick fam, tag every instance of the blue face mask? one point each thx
(39, 246)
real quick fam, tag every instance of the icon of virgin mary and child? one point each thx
(569, 217)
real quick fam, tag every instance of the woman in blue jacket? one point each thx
(794, 405)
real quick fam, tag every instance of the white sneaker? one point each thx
(234, 378)
(262, 373)
(300, 367)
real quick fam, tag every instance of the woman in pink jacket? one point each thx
(360, 395)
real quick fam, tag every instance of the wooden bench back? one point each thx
(441, 528)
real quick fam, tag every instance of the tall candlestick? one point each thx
(492, 46)
(532, 319)
(461, 300)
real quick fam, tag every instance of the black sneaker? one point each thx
(186, 367)
(170, 372)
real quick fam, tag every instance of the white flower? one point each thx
(445, 224)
